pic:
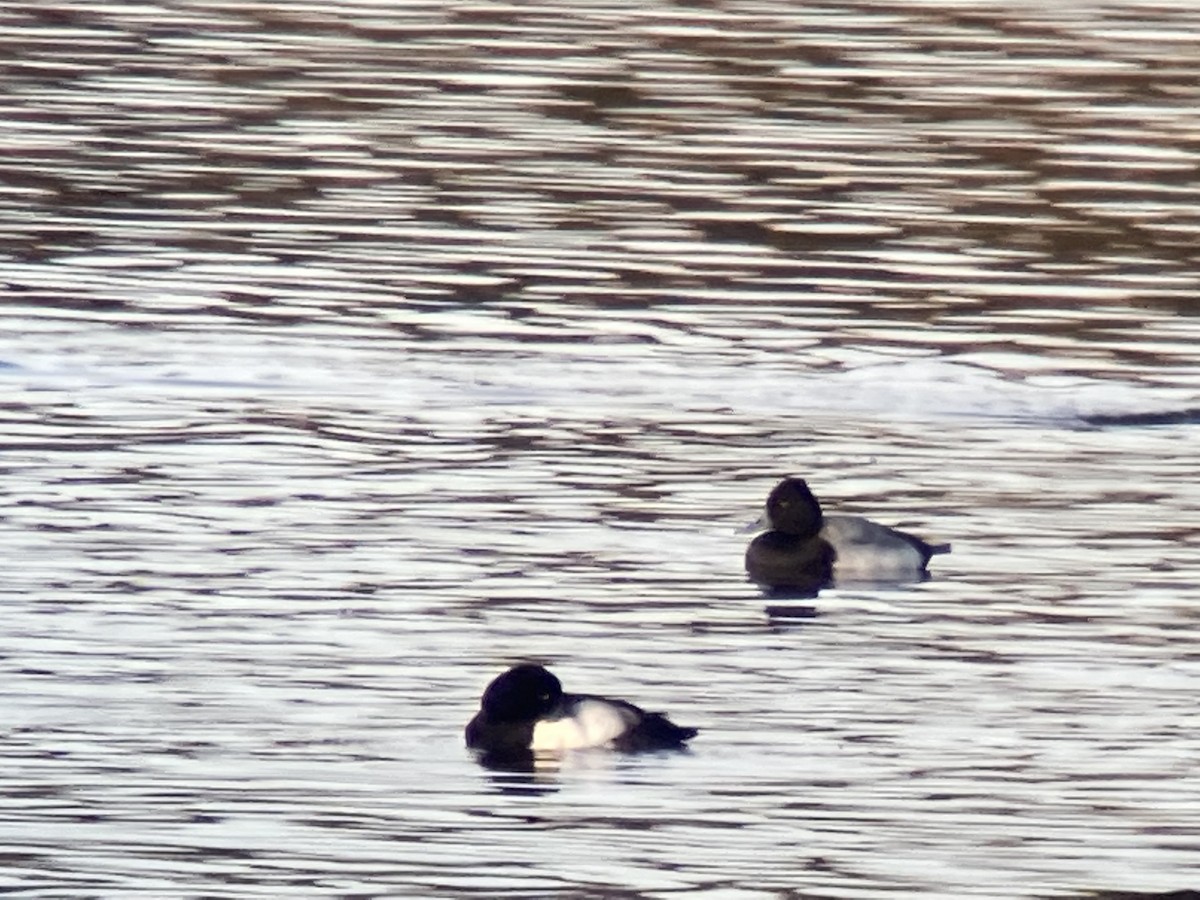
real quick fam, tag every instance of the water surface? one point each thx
(353, 351)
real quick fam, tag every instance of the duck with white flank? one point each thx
(525, 712)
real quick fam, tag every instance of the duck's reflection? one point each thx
(522, 773)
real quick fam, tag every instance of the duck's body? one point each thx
(806, 549)
(776, 559)
(524, 712)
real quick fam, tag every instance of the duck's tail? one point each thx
(656, 732)
(936, 549)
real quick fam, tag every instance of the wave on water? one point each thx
(937, 388)
(929, 389)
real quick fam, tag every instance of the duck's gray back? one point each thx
(867, 549)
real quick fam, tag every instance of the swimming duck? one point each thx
(806, 549)
(524, 711)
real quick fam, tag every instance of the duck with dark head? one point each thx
(805, 548)
(525, 712)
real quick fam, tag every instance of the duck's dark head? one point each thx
(523, 692)
(792, 509)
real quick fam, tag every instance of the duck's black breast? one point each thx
(778, 559)
(499, 737)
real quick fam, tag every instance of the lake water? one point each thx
(352, 351)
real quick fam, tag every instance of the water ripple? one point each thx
(352, 353)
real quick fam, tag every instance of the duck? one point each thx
(804, 548)
(525, 712)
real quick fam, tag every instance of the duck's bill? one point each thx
(758, 524)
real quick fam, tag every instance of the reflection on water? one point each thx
(354, 351)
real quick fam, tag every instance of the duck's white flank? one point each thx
(593, 723)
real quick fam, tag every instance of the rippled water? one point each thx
(350, 351)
